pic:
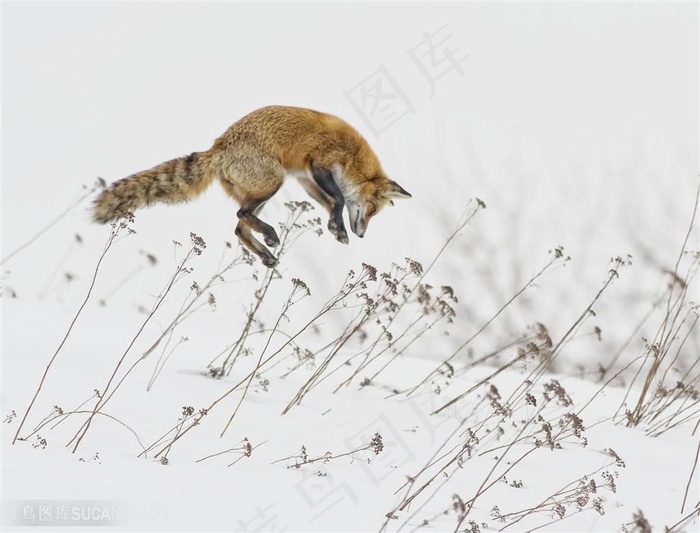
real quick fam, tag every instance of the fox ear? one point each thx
(396, 191)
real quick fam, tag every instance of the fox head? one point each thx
(368, 199)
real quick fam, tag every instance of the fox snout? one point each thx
(358, 230)
(357, 219)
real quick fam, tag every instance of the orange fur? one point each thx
(251, 160)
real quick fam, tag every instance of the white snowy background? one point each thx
(576, 124)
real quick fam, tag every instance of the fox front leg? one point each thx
(324, 179)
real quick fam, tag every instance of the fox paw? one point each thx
(339, 233)
(269, 261)
(342, 237)
(271, 239)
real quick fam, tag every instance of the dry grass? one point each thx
(385, 315)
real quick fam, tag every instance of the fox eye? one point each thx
(371, 210)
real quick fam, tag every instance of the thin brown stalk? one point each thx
(558, 254)
(99, 184)
(195, 249)
(113, 235)
(299, 287)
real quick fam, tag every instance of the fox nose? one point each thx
(357, 230)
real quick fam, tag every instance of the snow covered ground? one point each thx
(575, 124)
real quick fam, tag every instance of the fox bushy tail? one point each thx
(177, 180)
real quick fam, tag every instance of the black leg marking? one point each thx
(324, 179)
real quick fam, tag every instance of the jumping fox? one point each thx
(334, 164)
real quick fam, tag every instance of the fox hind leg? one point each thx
(251, 183)
(248, 222)
(245, 236)
(248, 215)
